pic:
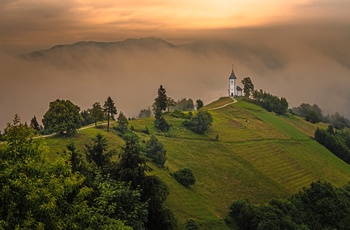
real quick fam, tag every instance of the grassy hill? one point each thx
(258, 156)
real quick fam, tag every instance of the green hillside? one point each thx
(258, 156)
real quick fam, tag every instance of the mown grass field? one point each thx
(258, 156)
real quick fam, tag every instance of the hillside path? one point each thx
(223, 106)
(82, 128)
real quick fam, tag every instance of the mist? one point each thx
(304, 63)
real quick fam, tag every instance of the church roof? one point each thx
(238, 88)
(233, 76)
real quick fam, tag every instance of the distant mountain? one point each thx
(105, 47)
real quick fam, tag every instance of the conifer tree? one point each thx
(110, 109)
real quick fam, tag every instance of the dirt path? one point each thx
(82, 128)
(223, 106)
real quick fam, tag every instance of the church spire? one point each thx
(232, 76)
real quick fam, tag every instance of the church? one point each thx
(233, 90)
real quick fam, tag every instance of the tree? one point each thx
(185, 177)
(96, 112)
(34, 193)
(312, 117)
(110, 109)
(86, 117)
(62, 116)
(248, 86)
(170, 102)
(200, 122)
(34, 124)
(199, 104)
(160, 122)
(160, 104)
(185, 105)
(132, 168)
(122, 123)
(155, 151)
(97, 152)
(144, 113)
(161, 99)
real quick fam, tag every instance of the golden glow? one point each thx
(193, 14)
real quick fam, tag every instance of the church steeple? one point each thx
(232, 84)
(232, 76)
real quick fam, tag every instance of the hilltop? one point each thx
(258, 156)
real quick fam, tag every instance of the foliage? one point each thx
(96, 113)
(118, 201)
(337, 120)
(110, 109)
(179, 114)
(62, 116)
(270, 102)
(155, 151)
(313, 117)
(200, 122)
(34, 124)
(34, 193)
(160, 122)
(97, 153)
(248, 86)
(321, 206)
(170, 102)
(199, 104)
(185, 177)
(132, 168)
(184, 105)
(160, 104)
(86, 117)
(122, 122)
(313, 113)
(337, 142)
(306, 109)
(144, 113)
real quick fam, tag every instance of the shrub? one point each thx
(199, 123)
(185, 177)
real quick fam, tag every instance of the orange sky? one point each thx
(41, 23)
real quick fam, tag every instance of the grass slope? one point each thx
(258, 156)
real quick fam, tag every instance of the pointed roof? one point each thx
(233, 76)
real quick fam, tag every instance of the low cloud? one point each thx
(301, 63)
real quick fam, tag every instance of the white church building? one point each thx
(233, 90)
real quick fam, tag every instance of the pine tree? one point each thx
(110, 109)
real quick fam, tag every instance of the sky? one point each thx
(297, 49)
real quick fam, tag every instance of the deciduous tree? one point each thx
(200, 122)
(248, 86)
(96, 112)
(62, 117)
(199, 104)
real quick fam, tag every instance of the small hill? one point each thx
(259, 156)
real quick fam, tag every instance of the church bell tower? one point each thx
(232, 84)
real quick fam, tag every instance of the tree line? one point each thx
(265, 100)
(320, 206)
(314, 114)
(338, 142)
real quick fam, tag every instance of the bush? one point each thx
(199, 123)
(185, 177)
